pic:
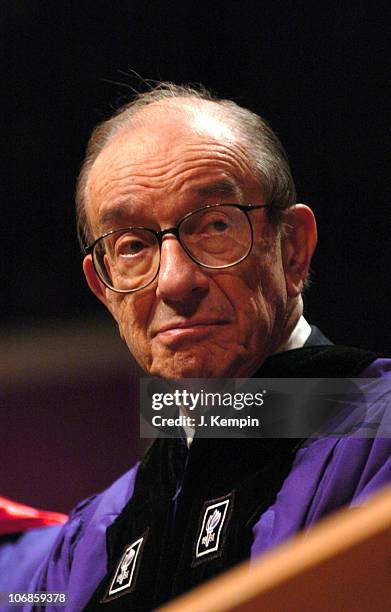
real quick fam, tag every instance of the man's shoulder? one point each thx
(103, 508)
(380, 367)
(320, 361)
(110, 501)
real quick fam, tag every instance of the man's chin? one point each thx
(188, 365)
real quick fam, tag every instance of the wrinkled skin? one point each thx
(220, 322)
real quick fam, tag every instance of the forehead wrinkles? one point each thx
(124, 167)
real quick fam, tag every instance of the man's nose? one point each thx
(180, 278)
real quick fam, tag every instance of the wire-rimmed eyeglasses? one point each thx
(216, 236)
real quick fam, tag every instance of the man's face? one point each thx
(191, 321)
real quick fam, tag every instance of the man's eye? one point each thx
(130, 248)
(213, 227)
(211, 222)
(219, 226)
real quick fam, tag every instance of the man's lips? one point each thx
(190, 327)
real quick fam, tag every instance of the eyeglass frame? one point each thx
(159, 234)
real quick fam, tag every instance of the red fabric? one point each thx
(16, 517)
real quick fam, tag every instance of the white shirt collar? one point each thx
(298, 337)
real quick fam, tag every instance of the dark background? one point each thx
(319, 74)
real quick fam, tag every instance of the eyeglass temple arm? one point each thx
(250, 207)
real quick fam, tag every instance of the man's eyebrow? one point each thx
(223, 187)
(117, 213)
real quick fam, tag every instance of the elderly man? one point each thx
(195, 244)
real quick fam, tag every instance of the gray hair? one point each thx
(265, 151)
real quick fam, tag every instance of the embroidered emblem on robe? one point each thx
(210, 534)
(125, 573)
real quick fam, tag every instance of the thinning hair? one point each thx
(264, 150)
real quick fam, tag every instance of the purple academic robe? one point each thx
(22, 554)
(327, 474)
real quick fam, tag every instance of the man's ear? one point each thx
(298, 245)
(93, 281)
